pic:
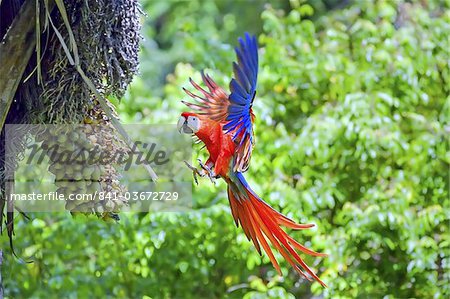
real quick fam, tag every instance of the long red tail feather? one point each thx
(261, 223)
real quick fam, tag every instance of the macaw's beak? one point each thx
(181, 122)
(183, 127)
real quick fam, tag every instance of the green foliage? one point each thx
(352, 134)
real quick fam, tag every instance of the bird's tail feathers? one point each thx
(262, 225)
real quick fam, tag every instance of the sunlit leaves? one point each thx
(353, 119)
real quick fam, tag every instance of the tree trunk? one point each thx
(15, 51)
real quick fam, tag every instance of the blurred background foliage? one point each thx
(352, 134)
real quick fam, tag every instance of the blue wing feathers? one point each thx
(237, 89)
(237, 99)
(243, 90)
(246, 63)
(236, 109)
(241, 76)
(243, 86)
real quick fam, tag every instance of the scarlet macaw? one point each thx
(224, 124)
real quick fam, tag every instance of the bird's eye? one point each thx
(194, 118)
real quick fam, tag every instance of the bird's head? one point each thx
(189, 123)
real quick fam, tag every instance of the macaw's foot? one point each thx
(212, 176)
(195, 172)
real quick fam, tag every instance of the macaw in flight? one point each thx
(224, 123)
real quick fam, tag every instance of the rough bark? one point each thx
(15, 51)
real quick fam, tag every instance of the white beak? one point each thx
(180, 124)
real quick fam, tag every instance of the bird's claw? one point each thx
(208, 170)
(195, 172)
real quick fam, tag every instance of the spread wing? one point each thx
(234, 111)
(214, 103)
(243, 90)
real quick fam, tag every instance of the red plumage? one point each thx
(224, 124)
